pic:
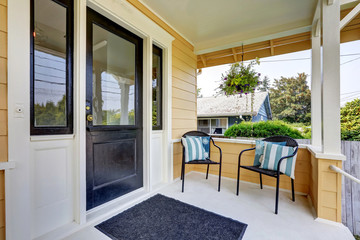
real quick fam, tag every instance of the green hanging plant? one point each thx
(240, 79)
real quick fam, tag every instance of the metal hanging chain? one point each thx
(242, 53)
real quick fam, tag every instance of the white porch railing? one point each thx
(338, 170)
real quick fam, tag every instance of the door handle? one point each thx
(89, 117)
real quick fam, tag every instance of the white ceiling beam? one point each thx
(343, 2)
(350, 16)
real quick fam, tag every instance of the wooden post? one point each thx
(331, 77)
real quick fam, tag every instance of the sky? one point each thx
(288, 65)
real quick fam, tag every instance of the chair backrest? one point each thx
(195, 134)
(289, 141)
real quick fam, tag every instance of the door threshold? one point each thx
(115, 206)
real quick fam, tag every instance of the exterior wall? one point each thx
(230, 160)
(3, 109)
(262, 113)
(184, 114)
(325, 188)
(233, 120)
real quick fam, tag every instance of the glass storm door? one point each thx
(114, 161)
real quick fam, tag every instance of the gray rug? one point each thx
(161, 217)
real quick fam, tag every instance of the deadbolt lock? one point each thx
(87, 108)
(89, 118)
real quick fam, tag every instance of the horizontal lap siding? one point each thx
(183, 98)
(3, 110)
(230, 161)
(183, 90)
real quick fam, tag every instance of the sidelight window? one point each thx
(51, 67)
(157, 88)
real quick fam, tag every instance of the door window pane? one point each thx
(157, 89)
(113, 100)
(50, 73)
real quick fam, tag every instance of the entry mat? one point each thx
(161, 217)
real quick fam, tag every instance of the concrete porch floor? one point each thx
(253, 206)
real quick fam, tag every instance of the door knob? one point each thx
(89, 118)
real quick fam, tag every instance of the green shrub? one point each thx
(350, 135)
(262, 129)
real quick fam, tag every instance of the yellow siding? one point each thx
(329, 190)
(230, 161)
(184, 115)
(3, 109)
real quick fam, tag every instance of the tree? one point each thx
(264, 84)
(198, 93)
(350, 120)
(290, 99)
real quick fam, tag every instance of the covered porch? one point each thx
(45, 181)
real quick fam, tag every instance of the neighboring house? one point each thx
(216, 114)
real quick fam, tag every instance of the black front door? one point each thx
(114, 159)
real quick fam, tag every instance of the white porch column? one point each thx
(331, 77)
(316, 111)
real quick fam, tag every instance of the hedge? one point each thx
(262, 130)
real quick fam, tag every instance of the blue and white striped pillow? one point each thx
(272, 155)
(194, 149)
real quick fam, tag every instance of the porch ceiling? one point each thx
(212, 25)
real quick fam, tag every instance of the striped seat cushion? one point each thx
(194, 149)
(272, 155)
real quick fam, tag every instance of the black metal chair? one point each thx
(208, 162)
(276, 174)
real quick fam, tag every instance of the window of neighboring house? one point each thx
(51, 58)
(157, 89)
(213, 125)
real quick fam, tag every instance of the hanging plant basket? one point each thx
(240, 79)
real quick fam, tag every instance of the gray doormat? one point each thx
(161, 217)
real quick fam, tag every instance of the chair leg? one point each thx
(237, 182)
(182, 169)
(219, 177)
(207, 171)
(293, 190)
(277, 194)
(183, 176)
(261, 181)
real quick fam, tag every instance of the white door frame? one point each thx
(19, 188)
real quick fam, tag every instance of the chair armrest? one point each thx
(282, 158)
(245, 150)
(212, 140)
